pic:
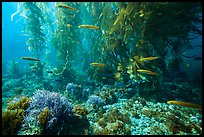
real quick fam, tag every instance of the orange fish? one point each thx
(148, 58)
(185, 104)
(66, 6)
(97, 64)
(89, 26)
(147, 72)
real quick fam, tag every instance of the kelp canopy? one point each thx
(126, 33)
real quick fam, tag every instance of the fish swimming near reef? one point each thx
(97, 64)
(89, 27)
(66, 6)
(195, 57)
(188, 56)
(146, 72)
(49, 71)
(185, 104)
(142, 60)
(148, 58)
(198, 58)
(29, 58)
(69, 26)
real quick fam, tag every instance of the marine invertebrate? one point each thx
(77, 92)
(70, 87)
(95, 101)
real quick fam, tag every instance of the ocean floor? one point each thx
(108, 110)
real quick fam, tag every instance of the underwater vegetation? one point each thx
(104, 68)
(51, 113)
(48, 109)
(13, 117)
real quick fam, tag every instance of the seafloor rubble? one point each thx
(109, 110)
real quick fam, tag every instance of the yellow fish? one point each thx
(97, 64)
(185, 104)
(148, 58)
(69, 25)
(66, 6)
(147, 72)
(29, 58)
(88, 26)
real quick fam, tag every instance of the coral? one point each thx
(95, 101)
(77, 93)
(70, 87)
